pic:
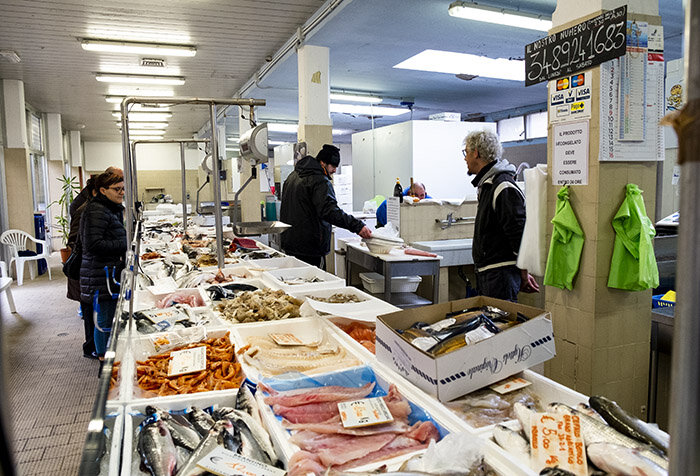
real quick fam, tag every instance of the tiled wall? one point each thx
(171, 183)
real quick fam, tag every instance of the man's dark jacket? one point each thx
(309, 205)
(500, 217)
(103, 238)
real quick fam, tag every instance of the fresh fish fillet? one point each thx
(304, 396)
(616, 459)
(303, 462)
(423, 431)
(311, 413)
(399, 446)
(334, 425)
(354, 448)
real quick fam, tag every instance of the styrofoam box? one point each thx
(114, 420)
(135, 414)
(356, 346)
(267, 264)
(366, 310)
(493, 455)
(146, 300)
(141, 349)
(307, 329)
(472, 367)
(277, 278)
(374, 283)
(235, 272)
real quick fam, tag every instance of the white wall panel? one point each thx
(100, 155)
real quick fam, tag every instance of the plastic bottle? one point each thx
(398, 190)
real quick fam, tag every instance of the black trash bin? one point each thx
(40, 233)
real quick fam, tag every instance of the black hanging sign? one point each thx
(576, 48)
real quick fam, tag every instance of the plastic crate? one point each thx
(657, 302)
(374, 283)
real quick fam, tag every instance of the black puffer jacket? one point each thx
(103, 238)
(500, 217)
(309, 205)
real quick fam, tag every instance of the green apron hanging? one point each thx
(566, 246)
(633, 266)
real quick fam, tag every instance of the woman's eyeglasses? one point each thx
(464, 153)
(117, 189)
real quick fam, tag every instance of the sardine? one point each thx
(220, 434)
(255, 441)
(595, 431)
(628, 424)
(157, 450)
(181, 430)
(524, 413)
(513, 442)
(200, 419)
(616, 459)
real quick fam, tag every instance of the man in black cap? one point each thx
(309, 205)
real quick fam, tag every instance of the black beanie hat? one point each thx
(329, 154)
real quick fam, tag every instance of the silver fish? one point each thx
(616, 459)
(583, 408)
(628, 424)
(255, 441)
(181, 430)
(158, 453)
(595, 431)
(513, 442)
(524, 413)
(220, 434)
(555, 472)
(245, 401)
(200, 419)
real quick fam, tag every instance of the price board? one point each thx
(576, 48)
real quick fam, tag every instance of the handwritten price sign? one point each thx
(556, 440)
(576, 48)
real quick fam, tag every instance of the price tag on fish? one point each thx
(286, 339)
(227, 463)
(365, 412)
(509, 385)
(187, 361)
(556, 440)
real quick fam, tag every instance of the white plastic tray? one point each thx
(304, 328)
(267, 264)
(109, 465)
(367, 310)
(277, 277)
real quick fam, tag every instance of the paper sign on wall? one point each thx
(393, 211)
(570, 154)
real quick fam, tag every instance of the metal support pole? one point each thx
(184, 188)
(128, 172)
(216, 182)
(684, 402)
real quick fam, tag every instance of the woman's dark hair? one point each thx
(106, 180)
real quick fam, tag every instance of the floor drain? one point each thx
(62, 334)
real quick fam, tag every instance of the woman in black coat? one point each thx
(104, 243)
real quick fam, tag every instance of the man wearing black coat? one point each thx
(309, 205)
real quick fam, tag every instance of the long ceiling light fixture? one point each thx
(135, 47)
(139, 79)
(145, 125)
(148, 132)
(139, 92)
(142, 137)
(145, 116)
(500, 16)
(462, 63)
(368, 110)
(353, 97)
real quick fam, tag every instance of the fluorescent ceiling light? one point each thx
(146, 125)
(277, 142)
(500, 16)
(135, 47)
(341, 132)
(140, 92)
(142, 137)
(145, 116)
(139, 79)
(355, 98)
(282, 127)
(148, 132)
(233, 138)
(460, 63)
(367, 110)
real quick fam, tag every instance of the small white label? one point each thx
(187, 361)
(365, 412)
(285, 339)
(227, 463)
(509, 385)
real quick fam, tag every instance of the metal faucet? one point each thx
(523, 165)
(450, 220)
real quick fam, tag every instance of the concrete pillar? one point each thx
(602, 334)
(315, 126)
(18, 174)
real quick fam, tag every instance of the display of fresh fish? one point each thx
(339, 449)
(304, 396)
(524, 414)
(155, 445)
(595, 431)
(200, 419)
(513, 442)
(181, 430)
(255, 441)
(583, 408)
(619, 460)
(245, 401)
(220, 434)
(334, 425)
(627, 424)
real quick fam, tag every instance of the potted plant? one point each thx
(69, 188)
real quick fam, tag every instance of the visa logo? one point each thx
(570, 96)
(577, 80)
(583, 93)
(557, 98)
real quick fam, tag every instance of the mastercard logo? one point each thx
(562, 84)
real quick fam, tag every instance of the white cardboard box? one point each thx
(472, 367)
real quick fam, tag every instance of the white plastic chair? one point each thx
(5, 282)
(16, 240)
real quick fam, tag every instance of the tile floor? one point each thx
(50, 386)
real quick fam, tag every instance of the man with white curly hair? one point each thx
(500, 220)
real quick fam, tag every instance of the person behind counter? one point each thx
(416, 190)
(500, 220)
(310, 206)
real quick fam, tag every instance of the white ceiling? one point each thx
(366, 39)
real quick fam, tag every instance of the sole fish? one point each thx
(513, 442)
(616, 459)
(157, 450)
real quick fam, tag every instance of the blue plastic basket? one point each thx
(656, 302)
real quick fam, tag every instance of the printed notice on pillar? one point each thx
(570, 154)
